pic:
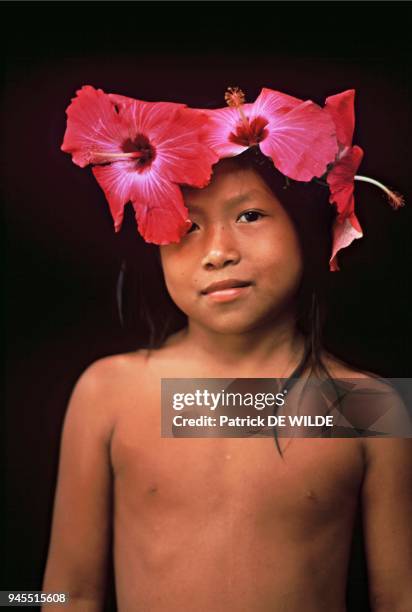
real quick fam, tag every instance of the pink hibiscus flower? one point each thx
(141, 152)
(298, 136)
(342, 175)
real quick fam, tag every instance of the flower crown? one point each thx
(143, 152)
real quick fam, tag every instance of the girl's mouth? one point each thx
(229, 294)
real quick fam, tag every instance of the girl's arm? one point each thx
(387, 506)
(81, 528)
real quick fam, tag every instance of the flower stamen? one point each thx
(235, 97)
(118, 156)
(396, 200)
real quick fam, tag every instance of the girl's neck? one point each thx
(274, 349)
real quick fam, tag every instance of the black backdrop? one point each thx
(62, 256)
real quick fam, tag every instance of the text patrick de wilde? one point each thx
(222, 420)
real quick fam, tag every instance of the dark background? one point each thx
(62, 256)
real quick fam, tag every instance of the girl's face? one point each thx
(240, 234)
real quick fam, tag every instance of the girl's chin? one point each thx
(243, 320)
(228, 326)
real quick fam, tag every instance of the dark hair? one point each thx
(148, 312)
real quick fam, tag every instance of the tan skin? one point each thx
(223, 525)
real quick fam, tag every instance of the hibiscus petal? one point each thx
(342, 111)
(269, 102)
(118, 183)
(175, 133)
(184, 157)
(344, 233)
(121, 101)
(153, 119)
(225, 122)
(222, 123)
(341, 181)
(159, 207)
(301, 142)
(93, 125)
(161, 215)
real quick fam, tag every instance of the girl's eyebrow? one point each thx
(230, 202)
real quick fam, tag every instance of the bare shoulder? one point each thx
(375, 404)
(111, 371)
(116, 375)
(103, 388)
(364, 379)
(341, 369)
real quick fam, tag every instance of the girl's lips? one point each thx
(226, 295)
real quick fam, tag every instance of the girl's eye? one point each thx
(192, 228)
(251, 215)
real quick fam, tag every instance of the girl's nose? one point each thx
(221, 251)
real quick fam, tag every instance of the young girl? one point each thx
(225, 524)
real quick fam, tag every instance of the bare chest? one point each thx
(167, 480)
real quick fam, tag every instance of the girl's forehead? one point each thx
(230, 185)
(227, 203)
